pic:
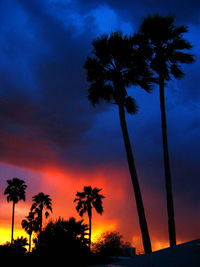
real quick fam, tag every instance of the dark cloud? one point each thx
(56, 111)
(44, 89)
(185, 11)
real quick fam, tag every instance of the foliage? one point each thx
(30, 224)
(41, 202)
(117, 62)
(15, 190)
(86, 201)
(17, 248)
(110, 244)
(63, 239)
(167, 45)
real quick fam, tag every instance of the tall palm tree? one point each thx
(41, 202)
(117, 63)
(169, 49)
(15, 191)
(86, 201)
(30, 225)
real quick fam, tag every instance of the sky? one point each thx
(53, 139)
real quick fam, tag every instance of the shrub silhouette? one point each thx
(110, 244)
(61, 240)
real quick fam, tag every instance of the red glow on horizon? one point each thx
(119, 206)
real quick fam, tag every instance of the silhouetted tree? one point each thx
(15, 249)
(86, 201)
(30, 225)
(77, 230)
(15, 192)
(63, 240)
(110, 244)
(19, 245)
(169, 49)
(41, 202)
(117, 63)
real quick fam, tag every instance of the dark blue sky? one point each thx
(45, 116)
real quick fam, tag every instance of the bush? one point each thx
(110, 244)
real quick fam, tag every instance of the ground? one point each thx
(183, 255)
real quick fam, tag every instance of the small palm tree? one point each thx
(30, 225)
(77, 229)
(41, 202)
(116, 64)
(86, 201)
(169, 50)
(15, 192)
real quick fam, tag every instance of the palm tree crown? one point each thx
(30, 225)
(77, 230)
(16, 190)
(116, 64)
(168, 47)
(86, 201)
(41, 202)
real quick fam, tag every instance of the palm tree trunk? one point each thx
(168, 183)
(90, 226)
(136, 187)
(41, 211)
(30, 243)
(13, 215)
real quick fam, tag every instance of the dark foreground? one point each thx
(183, 255)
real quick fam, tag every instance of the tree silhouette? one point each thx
(110, 244)
(168, 48)
(30, 225)
(86, 201)
(15, 192)
(41, 202)
(117, 63)
(64, 239)
(77, 229)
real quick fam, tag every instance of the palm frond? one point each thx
(130, 105)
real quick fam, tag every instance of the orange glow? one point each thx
(5, 234)
(102, 227)
(120, 212)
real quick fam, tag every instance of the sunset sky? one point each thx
(53, 139)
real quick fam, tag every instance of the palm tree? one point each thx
(30, 225)
(168, 48)
(86, 200)
(117, 63)
(77, 229)
(15, 192)
(41, 202)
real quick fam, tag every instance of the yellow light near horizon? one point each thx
(102, 228)
(5, 234)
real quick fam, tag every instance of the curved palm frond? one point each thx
(117, 63)
(16, 190)
(40, 202)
